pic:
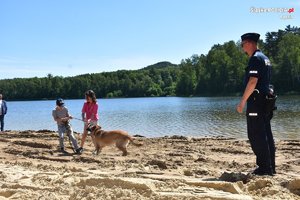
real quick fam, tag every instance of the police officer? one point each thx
(257, 81)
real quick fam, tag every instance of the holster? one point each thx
(270, 103)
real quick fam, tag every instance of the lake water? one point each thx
(156, 117)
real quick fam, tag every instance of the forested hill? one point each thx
(156, 80)
(161, 65)
(218, 73)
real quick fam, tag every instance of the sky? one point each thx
(73, 37)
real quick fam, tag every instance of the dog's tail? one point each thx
(134, 143)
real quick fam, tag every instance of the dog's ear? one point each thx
(99, 127)
(93, 128)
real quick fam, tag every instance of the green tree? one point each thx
(288, 67)
(187, 81)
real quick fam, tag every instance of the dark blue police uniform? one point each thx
(258, 119)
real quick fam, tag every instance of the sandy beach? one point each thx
(177, 167)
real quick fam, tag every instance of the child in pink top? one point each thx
(89, 114)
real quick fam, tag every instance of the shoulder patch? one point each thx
(267, 62)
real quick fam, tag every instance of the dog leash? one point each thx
(88, 121)
(88, 129)
(78, 119)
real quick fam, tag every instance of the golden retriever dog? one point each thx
(103, 138)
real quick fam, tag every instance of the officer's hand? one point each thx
(240, 107)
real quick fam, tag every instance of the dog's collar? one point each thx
(97, 128)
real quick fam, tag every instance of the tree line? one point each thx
(218, 73)
(151, 81)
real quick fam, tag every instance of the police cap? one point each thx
(250, 36)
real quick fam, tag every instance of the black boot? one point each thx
(261, 172)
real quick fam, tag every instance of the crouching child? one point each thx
(61, 116)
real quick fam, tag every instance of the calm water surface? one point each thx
(155, 117)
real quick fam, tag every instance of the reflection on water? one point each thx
(154, 117)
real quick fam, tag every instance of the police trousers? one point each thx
(260, 133)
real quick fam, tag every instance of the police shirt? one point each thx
(259, 66)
